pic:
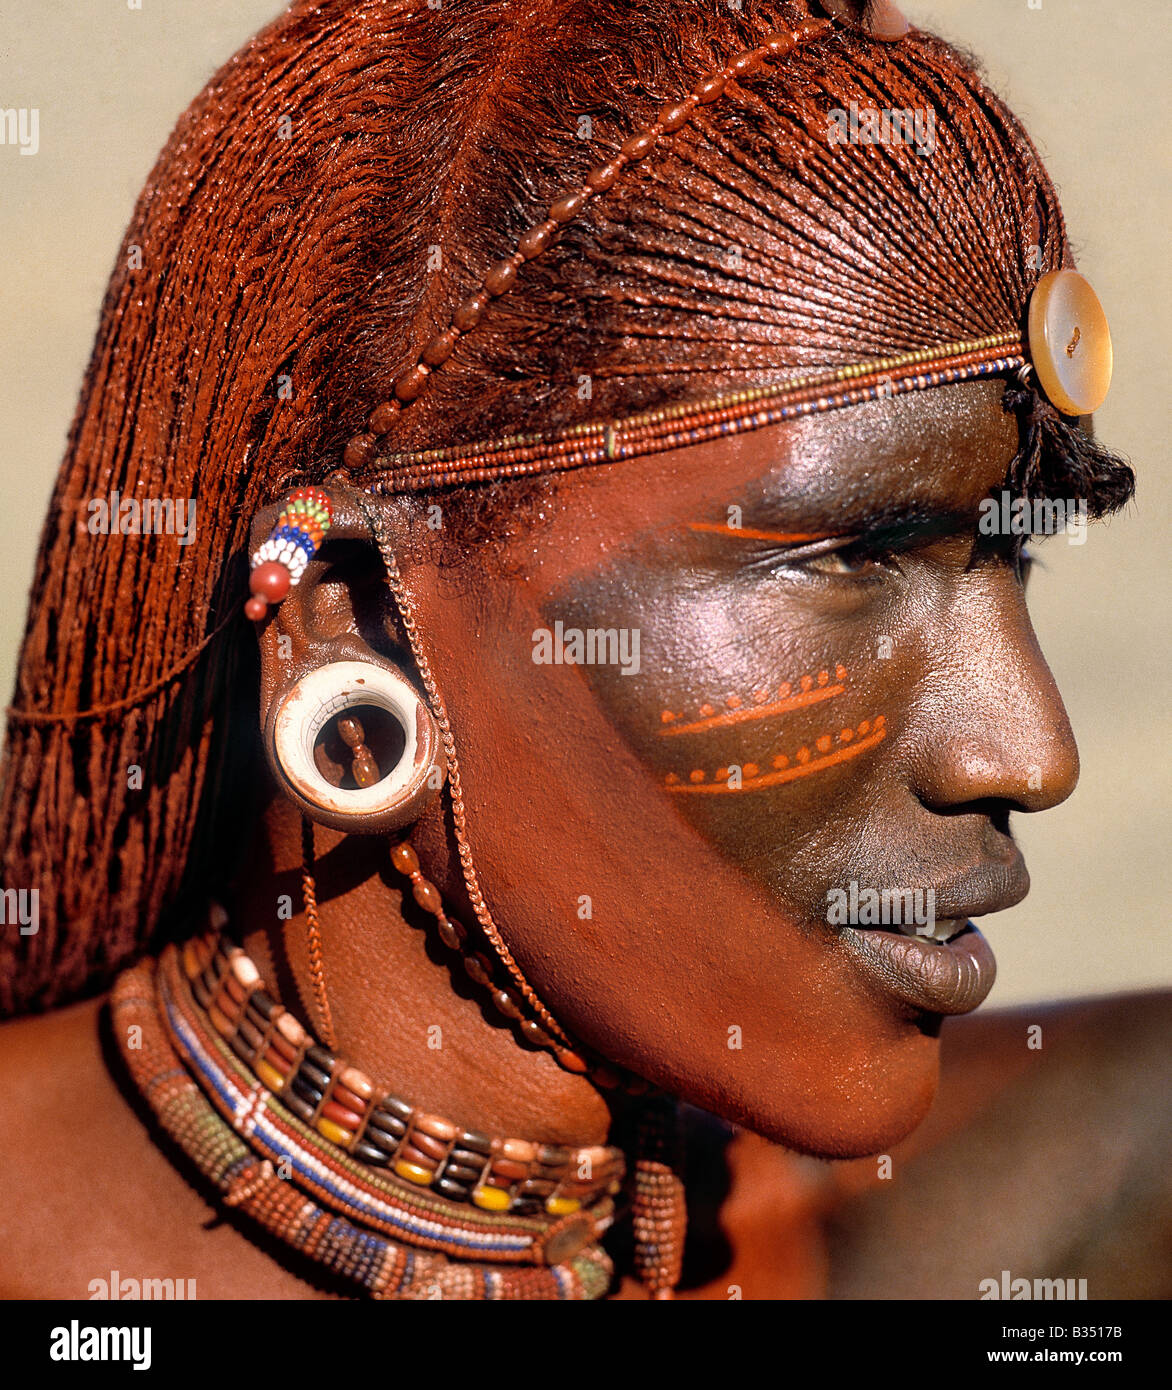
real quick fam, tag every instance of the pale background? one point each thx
(1088, 77)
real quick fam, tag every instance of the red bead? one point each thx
(533, 1032)
(382, 417)
(409, 385)
(638, 145)
(350, 730)
(710, 89)
(427, 895)
(500, 278)
(744, 62)
(779, 43)
(536, 239)
(270, 581)
(469, 312)
(364, 768)
(450, 933)
(600, 179)
(504, 1004)
(568, 207)
(810, 29)
(477, 968)
(440, 348)
(674, 114)
(255, 608)
(404, 858)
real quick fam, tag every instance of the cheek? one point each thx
(762, 728)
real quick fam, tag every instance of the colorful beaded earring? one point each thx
(280, 562)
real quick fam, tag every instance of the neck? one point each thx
(403, 1010)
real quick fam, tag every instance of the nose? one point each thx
(994, 727)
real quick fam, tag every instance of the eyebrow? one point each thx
(884, 520)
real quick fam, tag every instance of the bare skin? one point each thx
(571, 759)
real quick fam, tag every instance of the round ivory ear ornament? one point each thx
(322, 695)
(1070, 343)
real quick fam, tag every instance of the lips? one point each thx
(992, 887)
(950, 968)
(939, 978)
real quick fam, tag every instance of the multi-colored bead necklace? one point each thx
(382, 1130)
(320, 1201)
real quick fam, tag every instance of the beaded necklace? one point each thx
(277, 1170)
(218, 994)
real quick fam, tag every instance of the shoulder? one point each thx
(88, 1192)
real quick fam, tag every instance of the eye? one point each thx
(850, 560)
(844, 558)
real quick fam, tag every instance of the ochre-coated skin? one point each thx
(1048, 1161)
(706, 913)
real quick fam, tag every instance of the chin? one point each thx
(846, 1111)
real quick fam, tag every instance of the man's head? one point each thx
(417, 147)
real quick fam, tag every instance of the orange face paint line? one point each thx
(747, 533)
(811, 690)
(851, 742)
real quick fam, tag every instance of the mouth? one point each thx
(941, 965)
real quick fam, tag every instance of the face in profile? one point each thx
(813, 677)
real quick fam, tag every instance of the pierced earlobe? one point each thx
(393, 783)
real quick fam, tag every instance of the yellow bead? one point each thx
(492, 1198)
(270, 1075)
(412, 1172)
(561, 1206)
(1070, 343)
(190, 963)
(334, 1133)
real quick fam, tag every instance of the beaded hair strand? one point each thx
(361, 450)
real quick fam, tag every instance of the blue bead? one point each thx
(297, 536)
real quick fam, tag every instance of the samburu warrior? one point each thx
(414, 941)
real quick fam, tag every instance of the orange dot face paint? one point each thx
(736, 712)
(750, 777)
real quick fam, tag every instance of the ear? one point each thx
(346, 728)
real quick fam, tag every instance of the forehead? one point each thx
(939, 450)
(942, 449)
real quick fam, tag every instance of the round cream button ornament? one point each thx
(1070, 343)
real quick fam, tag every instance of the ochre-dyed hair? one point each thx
(336, 189)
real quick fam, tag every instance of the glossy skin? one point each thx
(706, 913)
(570, 757)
